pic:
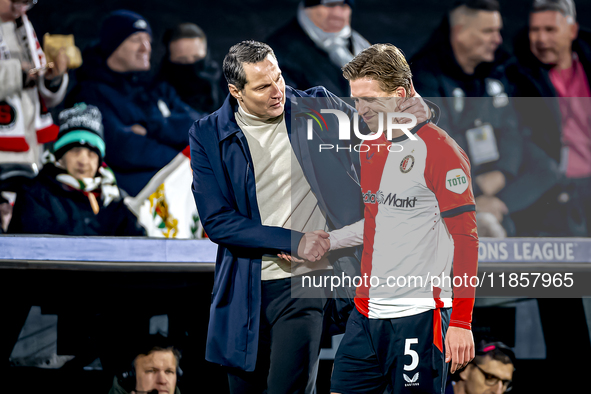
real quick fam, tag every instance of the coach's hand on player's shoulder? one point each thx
(459, 348)
(314, 245)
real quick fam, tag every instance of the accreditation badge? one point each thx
(482, 144)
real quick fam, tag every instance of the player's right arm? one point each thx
(348, 236)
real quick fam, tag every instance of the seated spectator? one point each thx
(154, 369)
(553, 59)
(27, 87)
(74, 194)
(146, 124)
(187, 66)
(314, 45)
(491, 371)
(464, 65)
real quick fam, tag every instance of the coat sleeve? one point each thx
(33, 215)
(53, 98)
(222, 222)
(127, 150)
(11, 78)
(171, 130)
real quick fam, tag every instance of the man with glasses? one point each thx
(490, 372)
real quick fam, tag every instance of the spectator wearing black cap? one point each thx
(553, 60)
(314, 45)
(491, 371)
(464, 64)
(75, 193)
(187, 66)
(146, 123)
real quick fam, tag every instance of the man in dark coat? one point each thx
(551, 75)
(258, 187)
(188, 67)
(463, 65)
(314, 45)
(145, 124)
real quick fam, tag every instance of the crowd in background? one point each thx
(530, 156)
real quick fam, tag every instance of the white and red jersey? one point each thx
(407, 194)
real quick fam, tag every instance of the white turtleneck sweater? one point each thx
(284, 196)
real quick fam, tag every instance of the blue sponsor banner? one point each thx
(491, 250)
(121, 249)
(534, 250)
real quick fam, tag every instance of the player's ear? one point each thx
(400, 92)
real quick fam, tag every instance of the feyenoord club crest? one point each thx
(406, 164)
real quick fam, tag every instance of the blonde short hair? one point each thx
(384, 63)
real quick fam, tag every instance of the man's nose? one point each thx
(161, 378)
(146, 46)
(277, 93)
(499, 388)
(498, 38)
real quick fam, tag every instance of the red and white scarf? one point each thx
(12, 126)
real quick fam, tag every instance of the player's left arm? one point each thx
(459, 343)
(448, 176)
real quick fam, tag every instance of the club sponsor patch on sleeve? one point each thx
(456, 181)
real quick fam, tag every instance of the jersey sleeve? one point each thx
(447, 174)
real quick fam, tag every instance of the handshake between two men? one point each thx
(312, 247)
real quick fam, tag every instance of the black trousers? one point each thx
(289, 340)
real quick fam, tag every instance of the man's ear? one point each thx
(235, 92)
(574, 31)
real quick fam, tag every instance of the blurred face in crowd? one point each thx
(551, 36)
(156, 371)
(478, 36)
(331, 18)
(11, 10)
(133, 54)
(371, 100)
(187, 50)
(486, 378)
(80, 162)
(264, 92)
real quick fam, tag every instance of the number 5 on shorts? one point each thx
(409, 352)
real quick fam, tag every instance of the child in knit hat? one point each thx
(75, 193)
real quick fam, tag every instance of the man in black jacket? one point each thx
(315, 44)
(552, 69)
(464, 65)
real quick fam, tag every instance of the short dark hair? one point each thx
(471, 8)
(172, 349)
(494, 349)
(183, 30)
(565, 7)
(249, 52)
(384, 63)
(478, 5)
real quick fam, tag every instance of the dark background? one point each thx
(406, 24)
